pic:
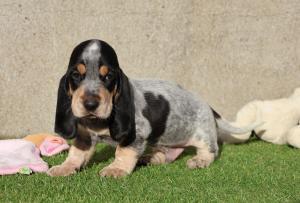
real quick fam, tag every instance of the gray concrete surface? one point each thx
(227, 51)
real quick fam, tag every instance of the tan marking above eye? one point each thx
(103, 70)
(81, 69)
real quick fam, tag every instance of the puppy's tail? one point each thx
(226, 127)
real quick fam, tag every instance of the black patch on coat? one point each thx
(83, 142)
(157, 112)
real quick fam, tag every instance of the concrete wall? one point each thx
(229, 52)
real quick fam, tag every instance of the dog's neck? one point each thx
(94, 124)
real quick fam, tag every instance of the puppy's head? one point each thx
(92, 79)
(89, 87)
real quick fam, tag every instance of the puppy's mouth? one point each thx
(91, 115)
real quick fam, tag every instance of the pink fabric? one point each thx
(53, 145)
(18, 153)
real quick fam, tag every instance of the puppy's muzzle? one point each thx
(91, 102)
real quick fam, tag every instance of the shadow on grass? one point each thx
(102, 155)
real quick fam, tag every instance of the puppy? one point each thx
(280, 117)
(98, 103)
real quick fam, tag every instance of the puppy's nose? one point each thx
(91, 104)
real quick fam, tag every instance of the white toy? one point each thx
(280, 120)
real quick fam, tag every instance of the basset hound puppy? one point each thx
(97, 102)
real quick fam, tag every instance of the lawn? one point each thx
(252, 172)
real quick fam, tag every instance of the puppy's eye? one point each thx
(76, 76)
(108, 76)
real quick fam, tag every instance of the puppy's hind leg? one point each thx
(293, 137)
(206, 147)
(161, 155)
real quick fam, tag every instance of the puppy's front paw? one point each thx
(112, 172)
(61, 170)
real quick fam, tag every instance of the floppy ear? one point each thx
(65, 122)
(122, 121)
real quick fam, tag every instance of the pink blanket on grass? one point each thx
(16, 154)
(53, 145)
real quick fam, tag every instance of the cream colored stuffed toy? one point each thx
(280, 120)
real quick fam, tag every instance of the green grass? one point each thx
(253, 172)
